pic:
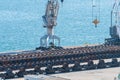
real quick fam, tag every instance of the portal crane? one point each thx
(115, 25)
(50, 21)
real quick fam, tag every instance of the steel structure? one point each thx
(115, 25)
(18, 64)
(49, 20)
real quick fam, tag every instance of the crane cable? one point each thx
(97, 15)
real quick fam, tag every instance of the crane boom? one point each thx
(51, 13)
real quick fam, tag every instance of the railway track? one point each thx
(37, 59)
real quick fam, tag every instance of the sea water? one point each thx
(21, 24)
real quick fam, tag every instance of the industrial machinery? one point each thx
(49, 20)
(115, 25)
(60, 60)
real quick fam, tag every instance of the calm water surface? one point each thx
(21, 23)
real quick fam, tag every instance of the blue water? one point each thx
(21, 23)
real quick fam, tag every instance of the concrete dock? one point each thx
(100, 74)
